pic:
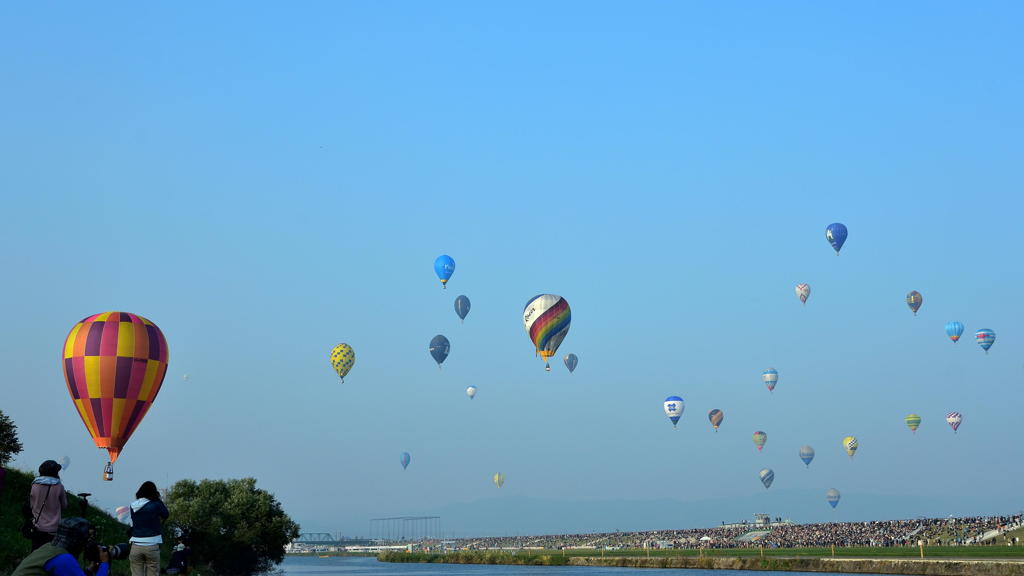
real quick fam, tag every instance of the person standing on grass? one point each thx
(148, 515)
(47, 500)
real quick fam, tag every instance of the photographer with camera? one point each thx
(59, 557)
(148, 515)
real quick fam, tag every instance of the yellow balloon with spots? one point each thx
(850, 444)
(343, 357)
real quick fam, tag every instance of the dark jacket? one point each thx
(146, 518)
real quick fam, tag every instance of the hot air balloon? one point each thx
(716, 416)
(770, 377)
(914, 300)
(913, 421)
(114, 365)
(343, 357)
(954, 330)
(832, 497)
(759, 439)
(985, 338)
(803, 292)
(65, 463)
(850, 445)
(499, 479)
(836, 236)
(186, 377)
(462, 306)
(767, 477)
(124, 514)
(546, 319)
(954, 419)
(807, 454)
(444, 267)
(471, 392)
(439, 348)
(571, 361)
(674, 407)
(405, 459)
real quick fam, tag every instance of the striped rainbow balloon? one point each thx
(546, 319)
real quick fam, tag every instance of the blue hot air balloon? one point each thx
(836, 236)
(807, 454)
(439, 348)
(954, 330)
(571, 360)
(444, 267)
(462, 306)
(767, 477)
(832, 497)
(405, 460)
(985, 338)
(674, 407)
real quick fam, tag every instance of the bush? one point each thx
(234, 527)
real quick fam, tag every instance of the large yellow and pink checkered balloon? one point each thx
(114, 364)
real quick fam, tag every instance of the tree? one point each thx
(10, 446)
(232, 525)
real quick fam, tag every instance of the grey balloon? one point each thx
(571, 361)
(439, 348)
(462, 306)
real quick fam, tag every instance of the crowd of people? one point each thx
(933, 531)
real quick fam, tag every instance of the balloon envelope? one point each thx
(405, 459)
(444, 267)
(767, 477)
(832, 497)
(954, 419)
(954, 330)
(807, 454)
(124, 514)
(985, 338)
(770, 378)
(850, 445)
(759, 439)
(546, 319)
(571, 361)
(803, 292)
(114, 365)
(439, 348)
(499, 479)
(716, 416)
(65, 463)
(471, 392)
(914, 300)
(912, 421)
(462, 306)
(836, 235)
(674, 407)
(343, 358)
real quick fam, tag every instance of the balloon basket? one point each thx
(108, 472)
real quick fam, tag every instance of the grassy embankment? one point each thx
(940, 561)
(13, 547)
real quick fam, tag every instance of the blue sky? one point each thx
(264, 182)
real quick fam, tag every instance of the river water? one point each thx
(356, 566)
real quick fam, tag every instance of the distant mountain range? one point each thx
(521, 515)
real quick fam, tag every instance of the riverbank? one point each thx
(880, 565)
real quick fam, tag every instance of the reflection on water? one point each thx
(352, 566)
